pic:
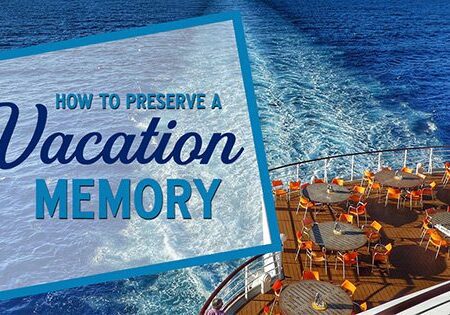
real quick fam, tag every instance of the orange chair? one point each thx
(438, 241)
(348, 286)
(407, 170)
(393, 193)
(414, 196)
(429, 191)
(446, 177)
(347, 259)
(373, 234)
(425, 229)
(267, 310)
(316, 257)
(363, 307)
(304, 203)
(357, 195)
(346, 218)
(430, 212)
(366, 176)
(301, 244)
(294, 187)
(311, 275)
(358, 211)
(278, 189)
(277, 287)
(338, 181)
(372, 186)
(381, 254)
(358, 308)
(318, 181)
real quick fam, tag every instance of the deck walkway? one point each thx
(412, 268)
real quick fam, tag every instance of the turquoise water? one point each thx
(330, 77)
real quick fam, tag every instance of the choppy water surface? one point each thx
(330, 77)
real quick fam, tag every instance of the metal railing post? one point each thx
(246, 281)
(404, 159)
(325, 175)
(297, 172)
(430, 162)
(379, 161)
(353, 168)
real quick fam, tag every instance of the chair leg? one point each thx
(424, 232)
(298, 253)
(437, 252)
(357, 266)
(428, 243)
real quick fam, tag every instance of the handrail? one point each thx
(224, 282)
(357, 153)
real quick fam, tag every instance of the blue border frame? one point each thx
(235, 17)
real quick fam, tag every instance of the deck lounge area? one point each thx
(412, 268)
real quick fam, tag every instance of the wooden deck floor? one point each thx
(412, 268)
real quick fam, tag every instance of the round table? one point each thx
(441, 218)
(444, 195)
(319, 193)
(297, 298)
(405, 180)
(351, 238)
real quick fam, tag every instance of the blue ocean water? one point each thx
(330, 77)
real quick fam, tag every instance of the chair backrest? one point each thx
(430, 211)
(422, 176)
(361, 208)
(318, 181)
(363, 306)
(311, 275)
(338, 181)
(277, 183)
(299, 236)
(359, 189)
(447, 165)
(417, 193)
(351, 256)
(304, 200)
(309, 245)
(347, 285)
(277, 285)
(433, 185)
(388, 248)
(346, 218)
(435, 236)
(407, 170)
(394, 192)
(376, 225)
(368, 174)
(294, 185)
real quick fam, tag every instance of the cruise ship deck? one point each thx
(412, 268)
